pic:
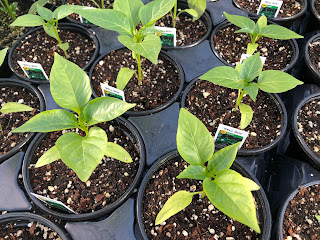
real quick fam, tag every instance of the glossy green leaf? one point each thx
(149, 48)
(117, 152)
(124, 76)
(155, 10)
(175, 204)
(251, 184)
(252, 89)
(246, 115)
(69, 84)
(11, 107)
(279, 32)
(28, 20)
(64, 46)
(48, 157)
(83, 154)
(104, 109)
(273, 81)
(199, 6)
(49, 29)
(194, 172)
(244, 30)
(251, 68)
(224, 76)
(49, 121)
(194, 142)
(3, 54)
(33, 8)
(251, 48)
(45, 13)
(261, 24)
(65, 10)
(130, 8)
(240, 21)
(230, 194)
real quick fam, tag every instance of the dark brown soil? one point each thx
(200, 220)
(231, 46)
(308, 125)
(314, 53)
(288, 8)
(107, 183)
(217, 108)
(40, 48)
(299, 220)
(160, 83)
(317, 6)
(11, 121)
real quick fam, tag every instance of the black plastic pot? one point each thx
(35, 91)
(4, 68)
(264, 215)
(130, 131)
(67, 26)
(226, 23)
(162, 107)
(24, 218)
(313, 73)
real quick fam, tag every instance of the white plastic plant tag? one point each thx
(227, 135)
(53, 203)
(82, 19)
(245, 56)
(270, 8)
(109, 91)
(168, 36)
(33, 70)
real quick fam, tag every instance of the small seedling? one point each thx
(229, 191)
(242, 78)
(260, 29)
(10, 9)
(70, 88)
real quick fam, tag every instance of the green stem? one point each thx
(9, 9)
(95, 3)
(174, 17)
(240, 96)
(102, 3)
(139, 70)
(58, 38)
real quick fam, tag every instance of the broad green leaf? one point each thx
(199, 6)
(244, 30)
(104, 109)
(49, 121)
(230, 194)
(194, 142)
(69, 84)
(65, 10)
(241, 22)
(83, 154)
(251, 68)
(45, 13)
(149, 48)
(252, 89)
(117, 152)
(246, 115)
(130, 8)
(224, 76)
(108, 19)
(11, 107)
(48, 157)
(49, 29)
(155, 10)
(261, 24)
(124, 76)
(251, 184)
(149, 30)
(175, 204)
(274, 81)
(28, 20)
(238, 68)
(223, 159)
(33, 8)
(251, 48)
(64, 46)
(3, 54)
(194, 172)
(317, 217)
(279, 32)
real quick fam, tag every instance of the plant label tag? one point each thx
(245, 56)
(109, 91)
(33, 70)
(270, 8)
(54, 203)
(167, 35)
(227, 135)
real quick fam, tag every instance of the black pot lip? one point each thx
(307, 58)
(69, 26)
(284, 19)
(35, 91)
(93, 215)
(171, 58)
(266, 233)
(283, 208)
(284, 121)
(296, 132)
(314, 11)
(16, 216)
(293, 43)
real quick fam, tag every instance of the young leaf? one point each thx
(223, 159)
(3, 54)
(252, 89)
(33, 8)
(194, 172)
(194, 142)
(251, 184)
(117, 152)
(278, 32)
(49, 29)
(262, 22)
(130, 8)
(28, 20)
(45, 13)
(65, 10)
(199, 6)
(48, 157)
(64, 46)
(246, 115)
(231, 195)
(11, 107)
(69, 84)
(241, 22)
(251, 48)
(124, 75)
(175, 204)
(251, 67)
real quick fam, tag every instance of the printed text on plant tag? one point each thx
(33, 70)
(270, 8)
(227, 135)
(168, 36)
(109, 91)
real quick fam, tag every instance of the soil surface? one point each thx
(40, 48)
(314, 53)
(11, 121)
(160, 83)
(288, 8)
(299, 220)
(107, 183)
(231, 46)
(214, 104)
(308, 125)
(200, 220)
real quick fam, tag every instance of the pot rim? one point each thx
(314, 11)
(310, 65)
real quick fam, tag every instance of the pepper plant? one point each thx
(70, 88)
(226, 189)
(259, 29)
(3, 54)
(10, 9)
(242, 78)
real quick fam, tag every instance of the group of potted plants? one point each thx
(83, 160)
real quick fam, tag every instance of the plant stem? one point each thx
(102, 3)
(9, 9)
(58, 38)
(139, 70)
(174, 17)
(240, 96)
(95, 3)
